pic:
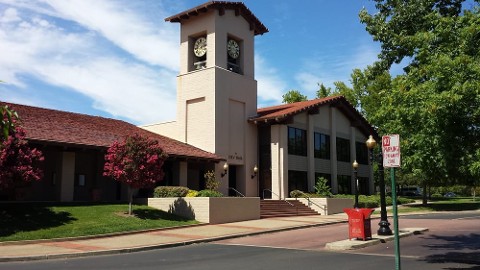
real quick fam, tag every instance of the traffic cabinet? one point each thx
(359, 226)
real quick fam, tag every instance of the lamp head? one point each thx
(355, 164)
(371, 143)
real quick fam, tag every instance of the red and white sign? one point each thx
(391, 151)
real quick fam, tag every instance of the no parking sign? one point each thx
(391, 151)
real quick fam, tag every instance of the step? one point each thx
(280, 208)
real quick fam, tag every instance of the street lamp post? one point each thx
(355, 175)
(384, 224)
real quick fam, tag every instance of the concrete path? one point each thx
(163, 238)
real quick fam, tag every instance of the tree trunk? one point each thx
(424, 199)
(130, 198)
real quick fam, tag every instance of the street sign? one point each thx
(391, 151)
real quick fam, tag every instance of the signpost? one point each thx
(391, 159)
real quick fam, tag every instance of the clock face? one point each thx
(233, 49)
(200, 47)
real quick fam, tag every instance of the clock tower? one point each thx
(217, 90)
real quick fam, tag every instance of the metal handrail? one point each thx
(291, 204)
(236, 191)
(323, 207)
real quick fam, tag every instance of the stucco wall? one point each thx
(328, 206)
(210, 210)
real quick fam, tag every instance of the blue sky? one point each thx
(119, 59)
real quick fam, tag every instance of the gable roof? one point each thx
(221, 6)
(284, 113)
(80, 130)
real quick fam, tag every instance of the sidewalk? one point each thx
(180, 236)
(156, 239)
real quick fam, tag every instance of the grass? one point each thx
(441, 204)
(35, 221)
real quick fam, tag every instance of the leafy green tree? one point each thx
(323, 91)
(322, 188)
(293, 96)
(7, 123)
(435, 104)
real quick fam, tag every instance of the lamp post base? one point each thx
(384, 228)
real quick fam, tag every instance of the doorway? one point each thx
(232, 180)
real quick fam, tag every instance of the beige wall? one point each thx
(213, 103)
(210, 210)
(329, 121)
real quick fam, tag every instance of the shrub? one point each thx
(401, 200)
(209, 193)
(296, 194)
(322, 188)
(192, 193)
(170, 191)
(211, 182)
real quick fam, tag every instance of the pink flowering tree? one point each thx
(18, 162)
(137, 162)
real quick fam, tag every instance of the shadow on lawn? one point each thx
(16, 218)
(155, 214)
(451, 206)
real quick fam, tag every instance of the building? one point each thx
(217, 112)
(263, 152)
(74, 146)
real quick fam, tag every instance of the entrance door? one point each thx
(232, 180)
(265, 184)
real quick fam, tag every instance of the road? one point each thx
(453, 242)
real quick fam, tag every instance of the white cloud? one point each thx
(9, 15)
(39, 46)
(332, 67)
(153, 44)
(270, 85)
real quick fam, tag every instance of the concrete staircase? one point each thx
(280, 208)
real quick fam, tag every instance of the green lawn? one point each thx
(35, 221)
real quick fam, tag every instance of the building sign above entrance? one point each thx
(235, 157)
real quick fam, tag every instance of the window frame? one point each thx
(297, 141)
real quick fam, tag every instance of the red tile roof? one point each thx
(239, 8)
(66, 128)
(283, 113)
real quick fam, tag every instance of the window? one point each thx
(81, 180)
(362, 152)
(343, 150)
(344, 185)
(297, 180)
(297, 141)
(322, 146)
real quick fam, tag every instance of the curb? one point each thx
(376, 239)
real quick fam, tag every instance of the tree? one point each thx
(7, 123)
(323, 91)
(18, 161)
(322, 188)
(137, 162)
(435, 104)
(293, 96)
